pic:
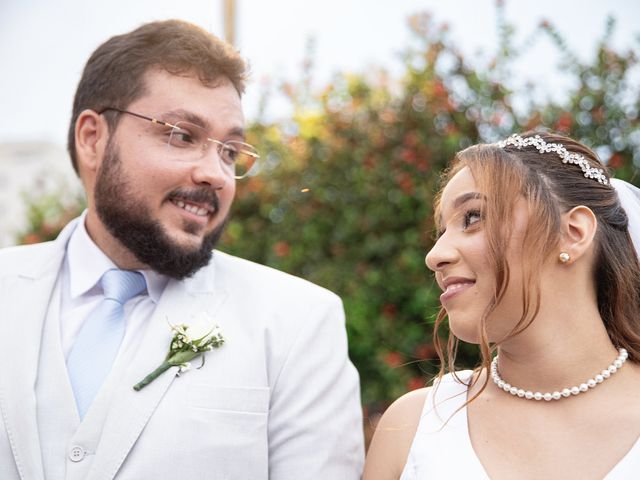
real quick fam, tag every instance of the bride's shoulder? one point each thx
(403, 415)
(408, 407)
(406, 412)
(393, 436)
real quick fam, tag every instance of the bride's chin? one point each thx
(465, 332)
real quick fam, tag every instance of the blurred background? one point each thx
(356, 107)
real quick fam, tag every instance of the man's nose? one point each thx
(211, 169)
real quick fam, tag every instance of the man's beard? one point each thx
(129, 220)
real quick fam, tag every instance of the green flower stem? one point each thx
(166, 365)
(184, 356)
(178, 358)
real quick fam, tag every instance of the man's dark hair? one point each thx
(114, 74)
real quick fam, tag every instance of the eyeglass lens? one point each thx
(188, 142)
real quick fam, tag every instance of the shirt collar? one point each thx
(87, 263)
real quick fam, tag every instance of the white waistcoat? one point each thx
(68, 446)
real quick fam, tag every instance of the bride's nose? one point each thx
(442, 254)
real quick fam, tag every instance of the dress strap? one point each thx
(441, 448)
(445, 399)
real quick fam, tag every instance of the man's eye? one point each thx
(471, 217)
(184, 137)
(230, 154)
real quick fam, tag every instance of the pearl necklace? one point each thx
(565, 392)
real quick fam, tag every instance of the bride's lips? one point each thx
(453, 286)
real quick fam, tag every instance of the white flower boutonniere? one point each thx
(188, 342)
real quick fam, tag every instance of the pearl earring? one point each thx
(564, 257)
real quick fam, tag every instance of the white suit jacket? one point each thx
(279, 400)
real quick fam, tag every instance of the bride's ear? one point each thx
(578, 230)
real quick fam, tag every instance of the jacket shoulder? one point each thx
(254, 275)
(17, 257)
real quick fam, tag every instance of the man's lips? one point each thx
(451, 286)
(201, 210)
(201, 202)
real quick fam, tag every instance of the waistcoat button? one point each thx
(76, 454)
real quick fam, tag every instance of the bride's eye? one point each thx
(471, 217)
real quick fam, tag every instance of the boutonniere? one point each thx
(188, 342)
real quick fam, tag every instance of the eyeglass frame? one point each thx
(218, 143)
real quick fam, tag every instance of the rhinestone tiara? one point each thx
(566, 156)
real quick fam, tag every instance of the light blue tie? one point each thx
(98, 342)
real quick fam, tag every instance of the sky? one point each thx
(44, 43)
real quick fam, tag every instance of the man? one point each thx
(157, 139)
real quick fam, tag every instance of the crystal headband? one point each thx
(566, 156)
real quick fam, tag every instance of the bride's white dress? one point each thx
(442, 448)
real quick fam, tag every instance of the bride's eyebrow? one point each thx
(461, 200)
(465, 197)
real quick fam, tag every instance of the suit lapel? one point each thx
(24, 298)
(130, 410)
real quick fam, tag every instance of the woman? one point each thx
(536, 264)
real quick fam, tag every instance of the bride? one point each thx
(537, 267)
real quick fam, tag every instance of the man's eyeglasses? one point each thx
(188, 142)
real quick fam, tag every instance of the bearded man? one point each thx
(157, 139)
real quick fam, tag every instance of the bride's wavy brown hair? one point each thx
(551, 188)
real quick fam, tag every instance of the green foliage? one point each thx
(347, 185)
(47, 214)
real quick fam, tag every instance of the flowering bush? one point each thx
(346, 190)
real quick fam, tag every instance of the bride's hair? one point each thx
(551, 188)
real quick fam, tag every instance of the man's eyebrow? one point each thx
(185, 115)
(465, 197)
(236, 132)
(181, 114)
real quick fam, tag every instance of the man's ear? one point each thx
(92, 135)
(579, 227)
